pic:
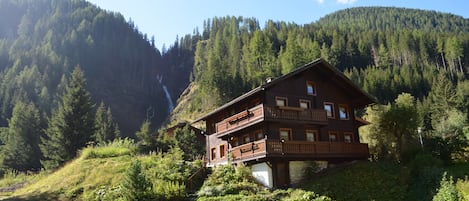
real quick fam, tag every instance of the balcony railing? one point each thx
(242, 119)
(263, 112)
(328, 150)
(295, 114)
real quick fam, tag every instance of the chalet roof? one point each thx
(181, 124)
(318, 63)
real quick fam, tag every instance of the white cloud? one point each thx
(320, 1)
(345, 1)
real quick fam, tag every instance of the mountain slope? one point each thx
(41, 41)
(391, 18)
(386, 51)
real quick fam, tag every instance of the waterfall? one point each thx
(166, 92)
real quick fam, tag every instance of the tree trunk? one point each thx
(460, 66)
(443, 61)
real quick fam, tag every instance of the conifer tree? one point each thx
(135, 185)
(71, 124)
(21, 151)
(145, 135)
(104, 124)
(188, 143)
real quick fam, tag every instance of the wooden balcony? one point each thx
(317, 116)
(272, 113)
(299, 150)
(241, 120)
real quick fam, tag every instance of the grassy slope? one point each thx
(75, 179)
(362, 181)
(358, 181)
(382, 181)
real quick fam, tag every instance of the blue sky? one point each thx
(165, 19)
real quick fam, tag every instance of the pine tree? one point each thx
(187, 141)
(21, 151)
(71, 125)
(135, 185)
(145, 135)
(104, 124)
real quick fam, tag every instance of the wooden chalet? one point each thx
(282, 126)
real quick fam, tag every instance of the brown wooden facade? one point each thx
(307, 114)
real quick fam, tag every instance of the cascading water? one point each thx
(166, 92)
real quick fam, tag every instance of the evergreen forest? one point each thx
(80, 81)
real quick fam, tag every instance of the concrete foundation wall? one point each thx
(263, 174)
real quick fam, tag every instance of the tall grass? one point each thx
(118, 147)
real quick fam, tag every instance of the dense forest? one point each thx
(386, 51)
(41, 42)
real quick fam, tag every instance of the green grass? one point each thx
(97, 167)
(385, 181)
(362, 181)
(98, 173)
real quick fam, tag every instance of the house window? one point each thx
(333, 136)
(305, 104)
(311, 135)
(258, 135)
(222, 151)
(213, 153)
(343, 112)
(311, 88)
(329, 107)
(285, 134)
(281, 101)
(234, 141)
(246, 138)
(348, 137)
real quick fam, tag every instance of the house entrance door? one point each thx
(282, 174)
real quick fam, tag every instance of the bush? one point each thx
(463, 188)
(169, 190)
(447, 190)
(227, 179)
(106, 193)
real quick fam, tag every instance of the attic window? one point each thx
(311, 88)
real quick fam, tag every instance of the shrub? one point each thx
(463, 188)
(227, 179)
(301, 195)
(106, 193)
(169, 190)
(447, 190)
